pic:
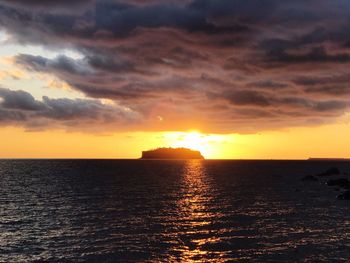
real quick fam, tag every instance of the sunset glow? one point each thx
(207, 144)
(175, 131)
(219, 82)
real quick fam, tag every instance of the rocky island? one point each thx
(172, 153)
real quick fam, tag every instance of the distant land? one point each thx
(172, 153)
(329, 159)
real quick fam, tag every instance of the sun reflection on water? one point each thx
(195, 215)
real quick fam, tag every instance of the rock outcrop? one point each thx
(172, 153)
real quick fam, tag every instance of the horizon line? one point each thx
(205, 159)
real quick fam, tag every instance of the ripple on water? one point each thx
(189, 211)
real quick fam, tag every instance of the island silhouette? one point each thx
(172, 153)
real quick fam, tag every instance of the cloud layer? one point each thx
(20, 107)
(220, 66)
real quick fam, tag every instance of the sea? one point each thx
(171, 211)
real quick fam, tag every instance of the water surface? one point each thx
(177, 211)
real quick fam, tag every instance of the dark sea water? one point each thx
(170, 211)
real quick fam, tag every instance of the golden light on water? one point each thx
(195, 213)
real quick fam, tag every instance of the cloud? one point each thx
(247, 98)
(19, 100)
(60, 64)
(223, 66)
(21, 108)
(315, 55)
(62, 6)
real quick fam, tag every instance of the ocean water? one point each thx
(171, 211)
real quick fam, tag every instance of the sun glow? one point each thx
(205, 143)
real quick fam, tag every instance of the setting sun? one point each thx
(205, 143)
(174, 130)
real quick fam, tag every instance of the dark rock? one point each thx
(342, 182)
(344, 196)
(309, 178)
(172, 153)
(330, 171)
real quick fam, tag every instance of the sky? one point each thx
(263, 79)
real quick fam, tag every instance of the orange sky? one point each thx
(297, 143)
(232, 80)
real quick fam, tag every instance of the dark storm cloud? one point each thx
(60, 64)
(331, 85)
(227, 63)
(97, 77)
(125, 18)
(268, 84)
(23, 107)
(45, 2)
(62, 6)
(318, 80)
(266, 100)
(337, 90)
(247, 98)
(316, 55)
(114, 18)
(19, 100)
